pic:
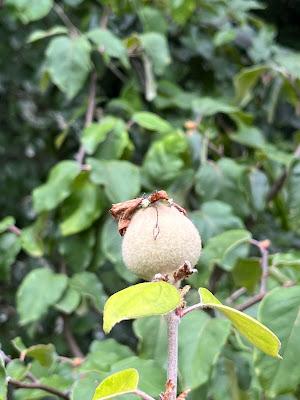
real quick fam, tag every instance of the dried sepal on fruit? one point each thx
(158, 236)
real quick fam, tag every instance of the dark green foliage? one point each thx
(195, 97)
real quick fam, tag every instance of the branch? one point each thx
(173, 323)
(250, 302)
(36, 385)
(66, 20)
(89, 115)
(14, 229)
(143, 395)
(263, 248)
(277, 186)
(70, 339)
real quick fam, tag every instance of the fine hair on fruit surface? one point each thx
(159, 239)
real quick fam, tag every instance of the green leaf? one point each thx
(214, 218)
(82, 208)
(88, 285)
(85, 386)
(68, 63)
(111, 243)
(280, 311)
(103, 354)
(28, 11)
(96, 133)
(69, 302)
(152, 20)
(16, 369)
(109, 43)
(77, 250)
(41, 34)
(43, 353)
(10, 246)
(246, 80)
(223, 249)
(5, 223)
(156, 48)
(293, 193)
(207, 106)
(258, 334)
(121, 179)
(3, 381)
(121, 382)
(31, 239)
(164, 160)
(57, 188)
(201, 340)
(145, 369)
(151, 121)
(247, 273)
(142, 300)
(40, 289)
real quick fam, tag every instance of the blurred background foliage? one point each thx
(196, 97)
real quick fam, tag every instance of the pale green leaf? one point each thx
(121, 382)
(142, 300)
(57, 188)
(40, 289)
(258, 334)
(68, 63)
(151, 121)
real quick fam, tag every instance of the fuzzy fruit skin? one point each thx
(177, 241)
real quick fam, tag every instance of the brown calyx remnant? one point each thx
(124, 211)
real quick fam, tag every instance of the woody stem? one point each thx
(173, 324)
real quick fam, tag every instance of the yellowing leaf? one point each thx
(258, 334)
(142, 300)
(121, 382)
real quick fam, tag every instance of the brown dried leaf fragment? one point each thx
(169, 389)
(123, 212)
(183, 395)
(184, 271)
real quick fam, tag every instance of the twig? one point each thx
(34, 385)
(235, 295)
(250, 302)
(88, 116)
(263, 248)
(104, 17)
(66, 20)
(277, 186)
(73, 345)
(14, 229)
(173, 323)
(143, 395)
